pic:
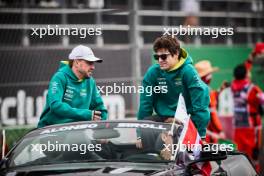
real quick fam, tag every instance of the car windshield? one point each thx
(96, 142)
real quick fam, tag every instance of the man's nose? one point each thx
(161, 60)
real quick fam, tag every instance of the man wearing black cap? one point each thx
(73, 95)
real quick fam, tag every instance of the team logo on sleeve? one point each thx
(54, 87)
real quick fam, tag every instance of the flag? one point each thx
(181, 111)
(189, 136)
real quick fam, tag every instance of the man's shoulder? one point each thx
(152, 72)
(188, 69)
(59, 75)
(155, 68)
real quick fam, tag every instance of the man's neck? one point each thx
(77, 73)
(177, 65)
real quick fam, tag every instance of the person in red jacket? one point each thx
(256, 56)
(248, 101)
(214, 129)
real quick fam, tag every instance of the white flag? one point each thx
(181, 115)
(181, 112)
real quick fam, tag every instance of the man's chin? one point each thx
(164, 68)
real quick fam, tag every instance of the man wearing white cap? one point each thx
(73, 95)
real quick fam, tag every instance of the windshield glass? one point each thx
(134, 142)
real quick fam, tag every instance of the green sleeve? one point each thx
(57, 106)
(199, 95)
(97, 102)
(146, 100)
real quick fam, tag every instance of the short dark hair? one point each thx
(240, 72)
(70, 63)
(170, 43)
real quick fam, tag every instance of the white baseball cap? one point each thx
(83, 52)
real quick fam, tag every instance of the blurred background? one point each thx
(129, 28)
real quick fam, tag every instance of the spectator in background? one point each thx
(256, 56)
(191, 9)
(214, 129)
(176, 72)
(72, 94)
(248, 101)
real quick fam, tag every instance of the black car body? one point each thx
(109, 148)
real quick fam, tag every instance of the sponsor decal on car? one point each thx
(140, 125)
(69, 128)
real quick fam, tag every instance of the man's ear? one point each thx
(76, 62)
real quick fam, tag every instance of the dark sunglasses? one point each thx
(162, 56)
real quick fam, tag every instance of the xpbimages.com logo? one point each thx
(130, 89)
(214, 32)
(65, 31)
(51, 147)
(214, 148)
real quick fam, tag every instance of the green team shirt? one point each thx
(70, 99)
(183, 79)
